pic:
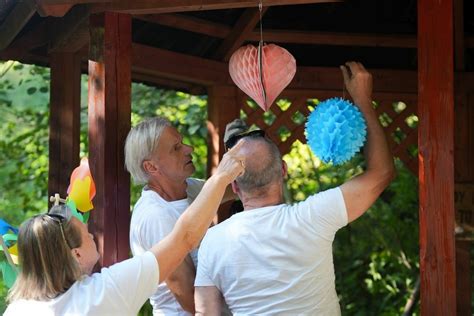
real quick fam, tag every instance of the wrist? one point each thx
(219, 179)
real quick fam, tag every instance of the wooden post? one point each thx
(436, 169)
(64, 120)
(464, 194)
(223, 107)
(109, 123)
(463, 151)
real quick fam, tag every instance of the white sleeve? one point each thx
(194, 187)
(131, 281)
(325, 212)
(202, 274)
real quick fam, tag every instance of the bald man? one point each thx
(275, 258)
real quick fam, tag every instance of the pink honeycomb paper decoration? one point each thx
(262, 81)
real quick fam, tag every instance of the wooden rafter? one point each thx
(337, 39)
(167, 83)
(15, 21)
(164, 63)
(201, 71)
(71, 33)
(31, 39)
(239, 33)
(59, 8)
(459, 43)
(218, 30)
(71, 2)
(187, 23)
(201, 26)
(167, 6)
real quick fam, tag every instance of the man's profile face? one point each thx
(172, 156)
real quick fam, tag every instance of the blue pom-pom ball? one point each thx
(335, 130)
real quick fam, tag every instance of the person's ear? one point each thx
(284, 168)
(76, 254)
(150, 167)
(235, 187)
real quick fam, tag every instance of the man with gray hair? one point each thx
(156, 156)
(274, 258)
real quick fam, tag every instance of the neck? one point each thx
(169, 190)
(270, 196)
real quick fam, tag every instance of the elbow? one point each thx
(389, 175)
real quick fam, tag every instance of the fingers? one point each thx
(235, 160)
(354, 67)
(236, 147)
(345, 73)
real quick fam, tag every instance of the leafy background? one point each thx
(376, 257)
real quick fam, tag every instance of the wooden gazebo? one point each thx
(420, 52)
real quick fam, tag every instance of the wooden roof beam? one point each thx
(239, 33)
(206, 72)
(218, 30)
(177, 66)
(459, 43)
(187, 23)
(59, 8)
(15, 21)
(167, 6)
(31, 39)
(167, 83)
(71, 33)
(336, 39)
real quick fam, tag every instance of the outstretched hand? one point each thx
(232, 163)
(358, 83)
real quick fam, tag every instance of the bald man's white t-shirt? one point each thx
(276, 259)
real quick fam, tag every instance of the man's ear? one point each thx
(284, 168)
(149, 167)
(235, 187)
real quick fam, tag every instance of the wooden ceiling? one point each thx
(197, 37)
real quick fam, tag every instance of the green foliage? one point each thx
(376, 257)
(24, 140)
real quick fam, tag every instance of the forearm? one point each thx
(190, 227)
(208, 301)
(362, 191)
(193, 224)
(377, 153)
(185, 300)
(181, 284)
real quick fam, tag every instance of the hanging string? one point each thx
(260, 54)
(260, 8)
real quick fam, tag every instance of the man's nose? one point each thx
(189, 149)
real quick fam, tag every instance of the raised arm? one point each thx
(208, 301)
(194, 222)
(362, 191)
